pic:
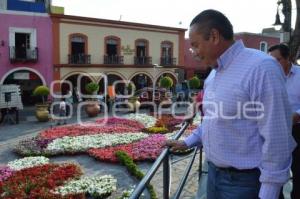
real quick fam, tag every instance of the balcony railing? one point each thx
(113, 59)
(164, 159)
(22, 54)
(168, 61)
(79, 59)
(142, 60)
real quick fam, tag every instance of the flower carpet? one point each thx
(36, 177)
(140, 136)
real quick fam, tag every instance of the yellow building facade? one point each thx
(91, 48)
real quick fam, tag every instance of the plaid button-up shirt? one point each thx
(247, 117)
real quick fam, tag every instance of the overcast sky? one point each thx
(245, 15)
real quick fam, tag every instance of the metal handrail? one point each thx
(185, 175)
(163, 158)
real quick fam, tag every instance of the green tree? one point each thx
(166, 82)
(194, 83)
(42, 91)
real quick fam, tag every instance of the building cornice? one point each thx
(117, 24)
(33, 14)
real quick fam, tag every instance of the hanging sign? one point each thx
(127, 51)
(22, 75)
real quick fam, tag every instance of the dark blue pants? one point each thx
(225, 184)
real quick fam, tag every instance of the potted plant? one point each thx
(42, 113)
(166, 82)
(133, 103)
(195, 84)
(130, 88)
(92, 108)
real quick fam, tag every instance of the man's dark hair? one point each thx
(213, 19)
(283, 49)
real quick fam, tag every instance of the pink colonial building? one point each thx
(25, 45)
(258, 41)
(251, 40)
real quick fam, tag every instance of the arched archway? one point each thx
(78, 81)
(141, 80)
(28, 79)
(111, 80)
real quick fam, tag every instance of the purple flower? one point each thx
(5, 172)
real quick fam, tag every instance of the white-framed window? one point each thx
(22, 43)
(29, 35)
(263, 46)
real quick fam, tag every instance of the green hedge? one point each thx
(133, 169)
(157, 129)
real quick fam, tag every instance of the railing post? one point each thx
(166, 176)
(162, 158)
(200, 165)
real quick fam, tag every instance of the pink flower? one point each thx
(5, 172)
(146, 149)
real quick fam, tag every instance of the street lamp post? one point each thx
(286, 25)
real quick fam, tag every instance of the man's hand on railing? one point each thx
(176, 145)
(190, 119)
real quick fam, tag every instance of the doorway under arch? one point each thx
(141, 80)
(111, 79)
(84, 80)
(28, 80)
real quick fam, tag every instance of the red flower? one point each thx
(37, 182)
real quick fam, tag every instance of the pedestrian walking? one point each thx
(62, 112)
(281, 53)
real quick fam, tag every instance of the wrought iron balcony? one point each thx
(143, 60)
(23, 54)
(167, 61)
(79, 59)
(113, 59)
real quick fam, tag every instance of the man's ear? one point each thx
(215, 36)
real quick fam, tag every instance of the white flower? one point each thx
(28, 162)
(85, 142)
(171, 135)
(96, 186)
(145, 119)
(127, 193)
